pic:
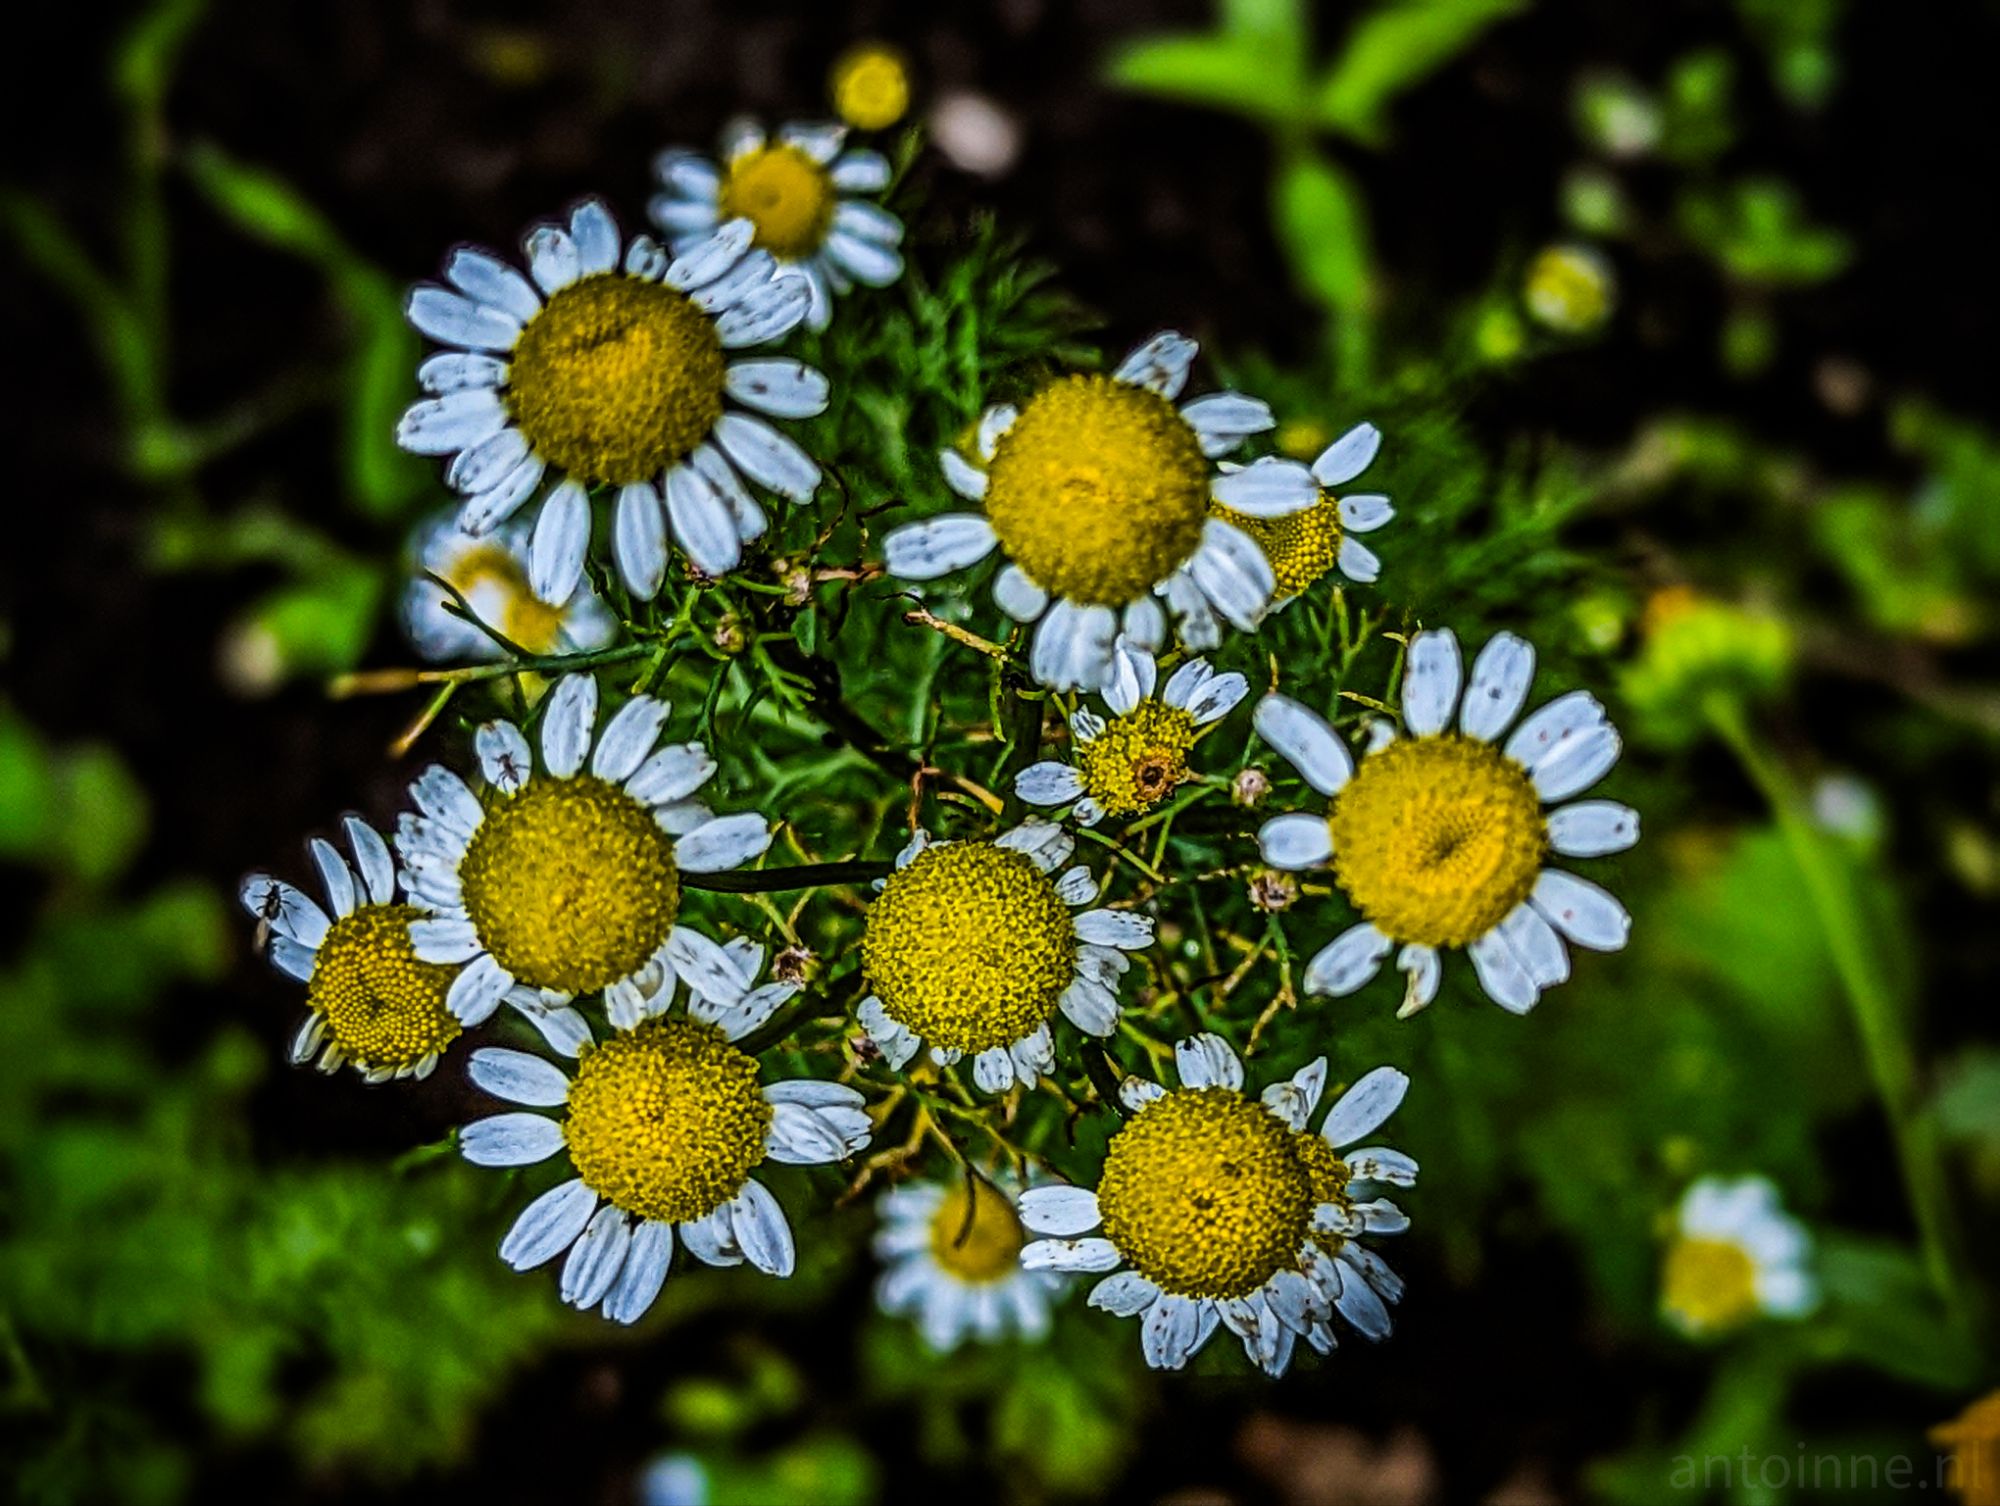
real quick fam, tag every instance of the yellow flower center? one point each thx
(1138, 759)
(1568, 290)
(1301, 546)
(1329, 1176)
(666, 1121)
(570, 884)
(383, 1007)
(871, 87)
(616, 379)
(1437, 839)
(1709, 1283)
(1204, 1192)
(1098, 491)
(970, 946)
(785, 194)
(982, 1245)
(490, 569)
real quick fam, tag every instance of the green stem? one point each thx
(784, 880)
(1891, 1061)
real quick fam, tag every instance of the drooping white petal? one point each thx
(335, 877)
(1362, 1109)
(1124, 1295)
(1348, 456)
(1502, 973)
(761, 1230)
(1168, 1332)
(1294, 1099)
(647, 1260)
(1090, 1005)
(1232, 574)
(1347, 962)
(477, 991)
(1160, 365)
(596, 1258)
(1072, 647)
(1267, 488)
(1205, 1061)
(1359, 1305)
(1134, 673)
(548, 1225)
(702, 522)
(1423, 971)
(285, 909)
(1535, 942)
(1144, 624)
(639, 539)
(486, 510)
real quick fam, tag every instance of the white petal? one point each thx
(766, 314)
(1378, 1163)
(1423, 972)
(1070, 1255)
(761, 1230)
(1045, 843)
(1199, 629)
(482, 276)
(1348, 456)
(563, 1028)
(1118, 928)
(1124, 1295)
(1233, 574)
(712, 256)
(782, 388)
(1364, 512)
(628, 738)
(712, 1240)
(1223, 420)
(335, 877)
(1048, 783)
(1144, 624)
(687, 173)
(993, 426)
(1358, 562)
(799, 1137)
(673, 773)
(1168, 1332)
(1076, 887)
(477, 991)
(552, 258)
(490, 508)
(1582, 911)
(1091, 1006)
(1593, 828)
(285, 909)
(548, 1225)
(1537, 945)
(1381, 1217)
(596, 236)
(869, 222)
(371, 855)
(767, 457)
(726, 842)
(295, 962)
(1347, 962)
(1205, 1061)
(1072, 647)
(647, 1260)
(1364, 1106)
(1135, 1093)
(860, 171)
(1360, 1306)
(868, 262)
(1503, 975)
(962, 476)
(596, 1258)
(444, 797)
(1132, 677)
(453, 319)
(1294, 1100)
(567, 721)
(1217, 696)
(561, 539)
(519, 1077)
(639, 539)
(720, 474)
(510, 1140)
(937, 546)
(1501, 676)
(1296, 841)
(1430, 682)
(1577, 765)
(1160, 365)
(702, 522)
(993, 1070)
(1554, 727)
(444, 941)
(505, 761)
(1267, 488)
(1059, 1209)
(456, 421)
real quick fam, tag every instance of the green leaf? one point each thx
(1323, 225)
(1225, 73)
(1392, 51)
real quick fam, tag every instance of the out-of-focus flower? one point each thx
(870, 86)
(807, 196)
(1618, 117)
(953, 1262)
(1438, 837)
(1570, 289)
(674, 1479)
(976, 135)
(1226, 1210)
(1694, 648)
(1736, 1255)
(1304, 546)
(1973, 1437)
(1098, 492)
(971, 947)
(491, 573)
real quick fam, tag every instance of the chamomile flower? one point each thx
(663, 1123)
(491, 573)
(1736, 1254)
(870, 86)
(1439, 838)
(1216, 1209)
(567, 881)
(372, 1001)
(952, 1253)
(1304, 546)
(807, 199)
(1098, 492)
(613, 370)
(971, 946)
(1137, 757)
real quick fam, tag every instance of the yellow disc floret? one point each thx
(1098, 491)
(383, 1007)
(977, 1236)
(1302, 546)
(871, 86)
(784, 194)
(490, 569)
(666, 1121)
(1329, 1176)
(970, 946)
(570, 884)
(1205, 1195)
(616, 379)
(1709, 1284)
(1138, 759)
(1437, 839)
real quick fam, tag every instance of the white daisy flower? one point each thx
(663, 1124)
(1736, 1254)
(1137, 757)
(569, 881)
(952, 1257)
(491, 573)
(614, 371)
(1303, 546)
(372, 1001)
(1098, 492)
(1217, 1209)
(811, 203)
(971, 946)
(1439, 838)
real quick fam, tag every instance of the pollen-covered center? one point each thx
(491, 578)
(786, 195)
(1138, 759)
(383, 1007)
(616, 379)
(1437, 839)
(1205, 1194)
(1709, 1283)
(570, 884)
(1301, 546)
(982, 1246)
(666, 1121)
(1329, 1176)
(1098, 491)
(970, 946)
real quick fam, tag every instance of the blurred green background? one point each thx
(1724, 455)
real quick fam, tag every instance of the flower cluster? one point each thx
(653, 400)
